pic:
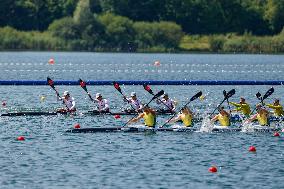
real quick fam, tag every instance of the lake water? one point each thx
(52, 158)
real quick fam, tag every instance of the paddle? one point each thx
(228, 95)
(265, 96)
(84, 86)
(50, 82)
(149, 90)
(160, 93)
(117, 87)
(225, 94)
(197, 95)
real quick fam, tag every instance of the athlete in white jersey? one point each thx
(134, 102)
(103, 105)
(169, 104)
(69, 103)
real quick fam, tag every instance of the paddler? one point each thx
(185, 116)
(103, 105)
(69, 103)
(261, 116)
(149, 116)
(169, 104)
(242, 107)
(223, 117)
(277, 107)
(134, 102)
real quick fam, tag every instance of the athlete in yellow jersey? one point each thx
(185, 116)
(223, 117)
(278, 109)
(242, 107)
(149, 116)
(261, 116)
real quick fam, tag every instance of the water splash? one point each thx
(207, 125)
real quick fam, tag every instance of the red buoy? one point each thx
(77, 126)
(212, 169)
(276, 134)
(4, 103)
(117, 116)
(252, 149)
(51, 61)
(157, 63)
(21, 138)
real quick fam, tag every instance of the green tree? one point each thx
(119, 32)
(274, 14)
(89, 27)
(64, 28)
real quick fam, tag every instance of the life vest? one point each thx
(103, 105)
(224, 120)
(262, 120)
(70, 103)
(186, 119)
(149, 119)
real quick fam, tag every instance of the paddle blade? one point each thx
(83, 85)
(224, 93)
(197, 95)
(258, 95)
(160, 93)
(148, 89)
(50, 82)
(230, 93)
(268, 93)
(117, 87)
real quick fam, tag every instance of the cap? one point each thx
(66, 93)
(133, 94)
(98, 95)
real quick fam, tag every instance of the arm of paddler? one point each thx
(252, 118)
(273, 107)
(235, 104)
(215, 118)
(177, 118)
(134, 120)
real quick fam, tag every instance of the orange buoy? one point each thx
(252, 149)
(51, 61)
(276, 134)
(117, 116)
(21, 138)
(77, 126)
(157, 63)
(212, 169)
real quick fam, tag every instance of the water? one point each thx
(51, 158)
